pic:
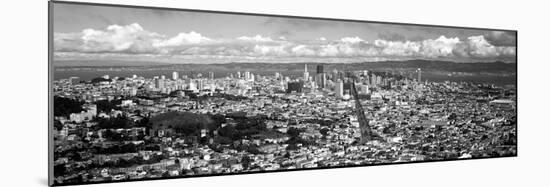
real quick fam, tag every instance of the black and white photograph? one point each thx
(142, 93)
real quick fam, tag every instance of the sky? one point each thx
(85, 32)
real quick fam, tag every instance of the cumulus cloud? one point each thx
(272, 50)
(257, 38)
(122, 39)
(303, 50)
(440, 47)
(479, 47)
(183, 39)
(398, 48)
(132, 39)
(351, 40)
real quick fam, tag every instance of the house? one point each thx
(236, 167)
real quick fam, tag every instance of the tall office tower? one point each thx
(341, 75)
(162, 77)
(212, 88)
(175, 75)
(134, 76)
(320, 77)
(347, 86)
(211, 75)
(192, 85)
(312, 86)
(339, 89)
(363, 121)
(373, 80)
(247, 75)
(334, 75)
(159, 83)
(162, 83)
(320, 69)
(181, 84)
(306, 74)
(105, 76)
(238, 74)
(419, 74)
(320, 80)
(200, 84)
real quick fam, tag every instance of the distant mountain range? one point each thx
(425, 65)
(103, 63)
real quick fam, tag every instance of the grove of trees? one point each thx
(65, 106)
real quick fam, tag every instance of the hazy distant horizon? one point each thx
(91, 62)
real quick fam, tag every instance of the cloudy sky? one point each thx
(83, 32)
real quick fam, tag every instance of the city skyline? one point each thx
(136, 34)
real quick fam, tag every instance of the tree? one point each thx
(144, 122)
(287, 155)
(386, 130)
(294, 132)
(65, 106)
(59, 170)
(113, 136)
(57, 125)
(452, 116)
(107, 106)
(99, 79)
(292, 146)
(324, 131)
(228, 131)
(246, 161)
(223, 140)
(114, 123)
(218, 119)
